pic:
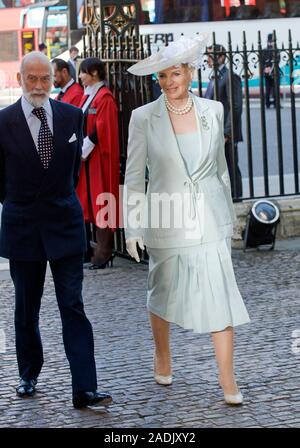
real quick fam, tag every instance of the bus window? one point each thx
(181, 11)
(9, 46)
(28, 41)
(33, 17)
(56, 33)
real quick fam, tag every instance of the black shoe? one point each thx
(94, 266)
(26, 388)
(84, 399)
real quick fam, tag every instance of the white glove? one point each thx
(131, 247)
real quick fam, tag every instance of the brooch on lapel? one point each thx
(204, 123)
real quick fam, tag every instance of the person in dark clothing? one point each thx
(43, 48)
(42, 221)
(268, 61)
(223, 88)
(74, 56)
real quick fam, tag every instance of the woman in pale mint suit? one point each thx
(187, 214)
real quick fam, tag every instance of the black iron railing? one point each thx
(268, 155)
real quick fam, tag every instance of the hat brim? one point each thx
(157, 62)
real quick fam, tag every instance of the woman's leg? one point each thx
(223, 343)
(161, 333)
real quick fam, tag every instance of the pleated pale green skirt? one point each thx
(195, 287)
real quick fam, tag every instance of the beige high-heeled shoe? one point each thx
(233, 399)
(162, 380)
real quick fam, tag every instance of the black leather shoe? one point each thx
(26, 388)
(103, 265)
(84, 399)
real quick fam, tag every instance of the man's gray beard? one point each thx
(35, 102)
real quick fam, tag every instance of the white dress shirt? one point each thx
(33, 122)
(91, 91)
(70, 83)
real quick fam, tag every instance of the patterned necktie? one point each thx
(45, 138)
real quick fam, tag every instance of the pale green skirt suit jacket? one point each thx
(152, 144)
(186, 219)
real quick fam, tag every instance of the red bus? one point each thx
(10, 49)
(22, 29)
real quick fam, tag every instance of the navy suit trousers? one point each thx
(28, 278)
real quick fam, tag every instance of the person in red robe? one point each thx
(71, 92)
(99, 175)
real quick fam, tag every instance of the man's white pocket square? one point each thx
(73, 138)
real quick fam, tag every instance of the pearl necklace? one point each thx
(179, 110)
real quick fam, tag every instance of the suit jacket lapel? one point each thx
(163, 129)
(205, 124)
(21, 134)
(59, 127)
(59, 130)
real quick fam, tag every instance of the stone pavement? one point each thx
(267, 362)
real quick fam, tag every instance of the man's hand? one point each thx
(132, 248)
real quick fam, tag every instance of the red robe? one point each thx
(73, 95)
(103, 161)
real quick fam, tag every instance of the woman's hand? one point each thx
(132, 249)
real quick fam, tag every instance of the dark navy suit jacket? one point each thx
(41, 217)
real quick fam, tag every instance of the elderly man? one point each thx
(40, 153)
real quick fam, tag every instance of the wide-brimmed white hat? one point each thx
(185, 50)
